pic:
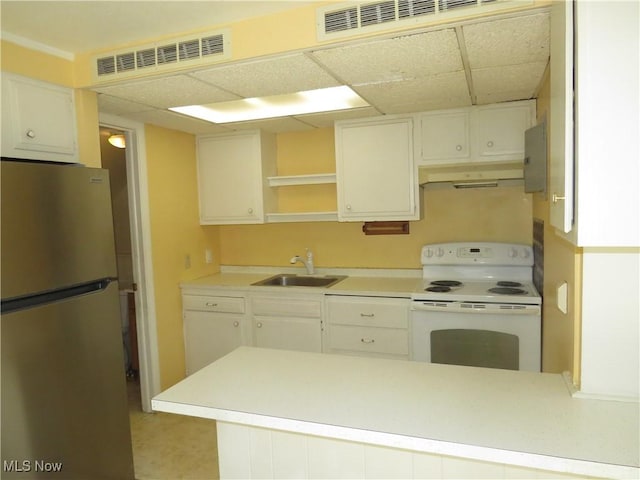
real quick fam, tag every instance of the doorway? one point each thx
(127, 168)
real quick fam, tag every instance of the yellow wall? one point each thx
(175, 233)
(562, 260)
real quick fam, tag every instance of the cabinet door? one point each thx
(444, 137)
(38, 120)
(288, 333)
(500, 130)
(209, 336)
(561, 155)
(230, 179)
(375, 170)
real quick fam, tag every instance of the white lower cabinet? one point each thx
(213, 326)
(368, 326)
(288, 321)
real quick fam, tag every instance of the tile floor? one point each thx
(171, 447)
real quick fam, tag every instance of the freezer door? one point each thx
(64, 397)
(57, 227)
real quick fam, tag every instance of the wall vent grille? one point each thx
(334, 21)
(176, 53)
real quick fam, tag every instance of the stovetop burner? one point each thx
(438, 289)
(504, 283)
(446, 283)
(507, 291)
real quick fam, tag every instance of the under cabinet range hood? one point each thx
(472, 176)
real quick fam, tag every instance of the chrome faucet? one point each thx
(308, 263)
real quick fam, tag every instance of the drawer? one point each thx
(213, 304)
(393, 341)
(369, 312)
(286, 307)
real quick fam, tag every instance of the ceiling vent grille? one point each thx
(172, 54)
(334, 21)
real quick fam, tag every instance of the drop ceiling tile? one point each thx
(509, 41)
(273, 125)
(273, 76)
(118, 106)
(513, 78)
(399, 58)
(175, 121)
(324, 120)
(174, 91)
(427, 93)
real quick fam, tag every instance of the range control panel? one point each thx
(486, 253)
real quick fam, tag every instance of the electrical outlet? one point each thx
(187, 261)
(208, 256)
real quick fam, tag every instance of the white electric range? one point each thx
(477, 306)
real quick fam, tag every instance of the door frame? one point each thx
(140, 225)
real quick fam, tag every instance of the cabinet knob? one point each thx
(367, 340)
(458, 147)
(348, 207)
(236, 323)
(250, 210)
(31, 134)
(259, 324)
(555, 198)
(490, 143)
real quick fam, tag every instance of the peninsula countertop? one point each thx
(521, 418)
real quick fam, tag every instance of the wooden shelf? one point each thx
(302, 217)
(313, 179)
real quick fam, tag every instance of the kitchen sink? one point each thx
(292, 280)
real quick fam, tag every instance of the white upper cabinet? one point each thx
(500, 129)
(376, 177)
(38, 120)
(489, 133)
(232, 169)
(445, 135)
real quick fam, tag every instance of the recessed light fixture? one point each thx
(117, 140)
(299, 103)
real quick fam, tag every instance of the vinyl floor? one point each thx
(171, 447)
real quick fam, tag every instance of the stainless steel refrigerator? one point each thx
(64, 398)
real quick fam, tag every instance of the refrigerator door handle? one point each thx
(43, 298)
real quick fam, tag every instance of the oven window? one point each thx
(475, 348)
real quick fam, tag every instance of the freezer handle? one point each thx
(42, 298)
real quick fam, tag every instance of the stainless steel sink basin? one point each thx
(292, 280)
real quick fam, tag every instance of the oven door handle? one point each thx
(471, 307)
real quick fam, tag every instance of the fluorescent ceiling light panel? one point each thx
(300, 103)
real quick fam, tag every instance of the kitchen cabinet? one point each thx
(489, 133)
(38, 120)
(594, 148)
(445, 135)
(376, 178)
(368, 326)
(232, 169)
(214, 325)
(287, 321)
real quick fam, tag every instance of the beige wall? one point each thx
(562, 260)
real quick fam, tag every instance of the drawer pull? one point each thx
(236, 323)
(211, 304)
(370, 315)
(367, 340)
(259, 325)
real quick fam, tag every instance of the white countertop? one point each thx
(519, 418)
(387, 283)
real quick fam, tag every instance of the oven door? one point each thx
(476, 334)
